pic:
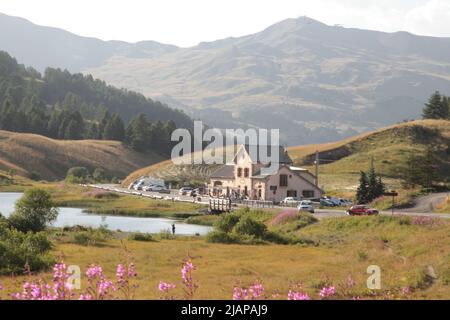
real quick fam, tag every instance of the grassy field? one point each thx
(49, 159)
(410, 253)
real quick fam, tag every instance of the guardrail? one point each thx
(256, 203)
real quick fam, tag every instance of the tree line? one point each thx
(61, 105)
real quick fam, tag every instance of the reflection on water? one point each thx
(75, 216)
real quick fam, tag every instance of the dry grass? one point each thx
(50, 159)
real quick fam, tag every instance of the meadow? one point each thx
(413, 254)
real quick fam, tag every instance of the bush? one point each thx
(147, 237)
(248, 226)
(218, 236)
(33, 211)
(106, 195)
(77, 175)
(19, 251)
(227, 222)
(92, 237)
(99, 175)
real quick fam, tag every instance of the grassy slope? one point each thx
(346, 247)
(50, 159)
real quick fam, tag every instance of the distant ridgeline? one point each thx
(68, 106)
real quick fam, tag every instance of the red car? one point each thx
(361, 210)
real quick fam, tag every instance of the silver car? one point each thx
(306, 206)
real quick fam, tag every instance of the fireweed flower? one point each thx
(190, 286)
(257, 290)
(165, 288)
(327, 292)
(240, 294)
(295, 295)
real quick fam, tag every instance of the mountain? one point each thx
(316, 83)
(49, 159)
(43, 47)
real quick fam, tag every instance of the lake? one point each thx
(76, 216)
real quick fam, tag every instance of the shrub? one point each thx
(147, 237)
(227, 222)
(218, 236)
(18, 250)
(91, 237)
(99, 175)
(33, 211)
(248, 226)
(77, 175)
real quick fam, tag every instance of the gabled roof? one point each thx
(226, 171)
(283, 157)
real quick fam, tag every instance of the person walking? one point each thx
(173, 228)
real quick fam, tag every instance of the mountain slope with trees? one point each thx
(68, 106)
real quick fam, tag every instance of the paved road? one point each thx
(320, 213)
(427, 203)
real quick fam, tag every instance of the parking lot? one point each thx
(174, 196)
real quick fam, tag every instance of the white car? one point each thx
(306, 205)
(185, 191)
(289, 201)
(147, 188)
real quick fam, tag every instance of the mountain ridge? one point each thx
(315, 82)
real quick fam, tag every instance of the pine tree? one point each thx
(93, 132)
(436, 108)
(103, 122)
(362, 192)
(138, 133)
(372, 184)
(114, 129)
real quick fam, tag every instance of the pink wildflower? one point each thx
(295, 295)
(327, 292)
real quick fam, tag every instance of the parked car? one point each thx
(138, 186)
(306, 205)
(185, 191)
(147, 188)
(289, 201)
(326, 203)
(361, 210)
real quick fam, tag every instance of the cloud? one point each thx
(432, 18)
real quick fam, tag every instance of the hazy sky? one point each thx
(188, 22)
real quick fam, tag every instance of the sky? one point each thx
(187, 22)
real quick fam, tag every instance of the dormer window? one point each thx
(246, 172)
(239, 172)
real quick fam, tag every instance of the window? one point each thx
(308, 193)
(239, 172)
(283, 180)
(246, 171)
(292, 193)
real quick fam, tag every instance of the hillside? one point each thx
(50, 159)
(389, 147)
(343, 160)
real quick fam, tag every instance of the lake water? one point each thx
(76, 216)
